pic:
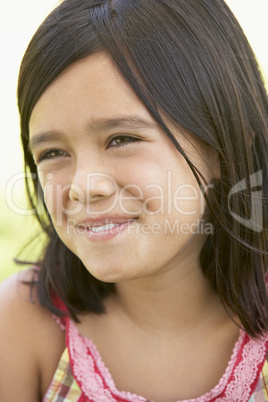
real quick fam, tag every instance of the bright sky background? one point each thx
(19, 20)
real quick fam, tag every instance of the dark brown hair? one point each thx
(187, 60)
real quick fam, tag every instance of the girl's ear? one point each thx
(212, 160)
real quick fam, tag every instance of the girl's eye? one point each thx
(121, 140)
(51, 154)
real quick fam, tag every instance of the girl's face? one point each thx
(121, 197)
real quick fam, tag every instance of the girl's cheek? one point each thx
(49, 197)
(188, 201)
(46, 185)
(56, 196)
(175, 196)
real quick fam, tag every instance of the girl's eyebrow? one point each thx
(95, 125)
(46, 136)
(126, 122)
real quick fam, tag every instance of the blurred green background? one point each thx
(18, 22)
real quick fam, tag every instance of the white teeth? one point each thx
(97, 229)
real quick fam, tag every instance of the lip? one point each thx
(107, 234)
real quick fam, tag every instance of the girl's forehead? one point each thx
(94, 87)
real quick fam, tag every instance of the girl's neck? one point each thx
(174, 302)
(167, 323)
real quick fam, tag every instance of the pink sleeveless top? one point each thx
(83, 377)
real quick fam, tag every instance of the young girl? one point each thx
(144, 127)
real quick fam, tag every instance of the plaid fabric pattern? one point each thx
(63, 387)
(261, 392)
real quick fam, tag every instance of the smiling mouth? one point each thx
(102, 231)
(102, 228)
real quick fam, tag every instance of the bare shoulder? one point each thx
(31, 341)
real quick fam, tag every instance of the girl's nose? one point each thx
(91, 187)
